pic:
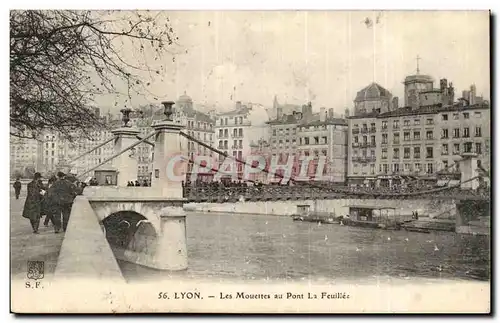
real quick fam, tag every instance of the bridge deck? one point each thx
(280, 193)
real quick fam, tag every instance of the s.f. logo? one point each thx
(35, 269)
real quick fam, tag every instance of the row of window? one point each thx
(467, 148)
(465, 133)
(199, 149)
(143, 169)
(236, 154)
(466, 115)
(429, 151)
(429, 135)
(224, 121)
(406, 123)
(395, 168)
(365, 140)
(293, 131)
(416, 122)
(224, 133)
(407, 151)
(237, 144)
(197, 134)
(315, 153)
(205, 125)
(285, 132)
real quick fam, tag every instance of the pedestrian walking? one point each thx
(17, 188)
(62, 194)
(33, 204)
(48, 204)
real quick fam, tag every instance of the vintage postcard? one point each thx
(250, 161)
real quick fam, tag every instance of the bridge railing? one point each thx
(301, 192)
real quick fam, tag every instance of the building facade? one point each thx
(236, 130)
(25, 156)
(305, 134)
(417, 141)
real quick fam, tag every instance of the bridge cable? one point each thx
(91, 150)
(119, 153)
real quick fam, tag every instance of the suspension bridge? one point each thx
(150, 221)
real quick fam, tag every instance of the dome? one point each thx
(185, 98)
(373, 92)
(257, 115)
(418, 78)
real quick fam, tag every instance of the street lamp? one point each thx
(168, 109)
(126, 116)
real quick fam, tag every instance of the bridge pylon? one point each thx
(125, 164)
(169, 162)
(469, 170)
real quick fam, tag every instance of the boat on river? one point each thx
(304, 214)
(430, 225)
(373, 217)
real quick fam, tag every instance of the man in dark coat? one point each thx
(48, 204)
(33, 204)
(62, 194)
(17, 188)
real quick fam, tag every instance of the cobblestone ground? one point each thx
(24, 245)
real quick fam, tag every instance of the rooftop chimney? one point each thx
(279, 113)
(346, 112)
(322, 114)
(395, 103)
(238, 105)
(330, 113)
(443, 84)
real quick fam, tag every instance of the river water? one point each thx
(257, 247)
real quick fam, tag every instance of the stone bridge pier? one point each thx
(149, 231)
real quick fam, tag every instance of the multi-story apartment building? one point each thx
(325, 137)
(200, 126)
(25, 156)
(416, 140)
(260, 148)
(235, 130)
(302, 134)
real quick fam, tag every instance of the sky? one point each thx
(320, 56)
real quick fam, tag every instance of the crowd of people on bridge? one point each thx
(144, 182)
(228, 188)
(52, 200)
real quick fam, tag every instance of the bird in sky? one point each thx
(368, 22)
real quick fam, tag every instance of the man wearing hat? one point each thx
(62, 194)
(33, 204)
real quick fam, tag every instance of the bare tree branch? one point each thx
(61, 60)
